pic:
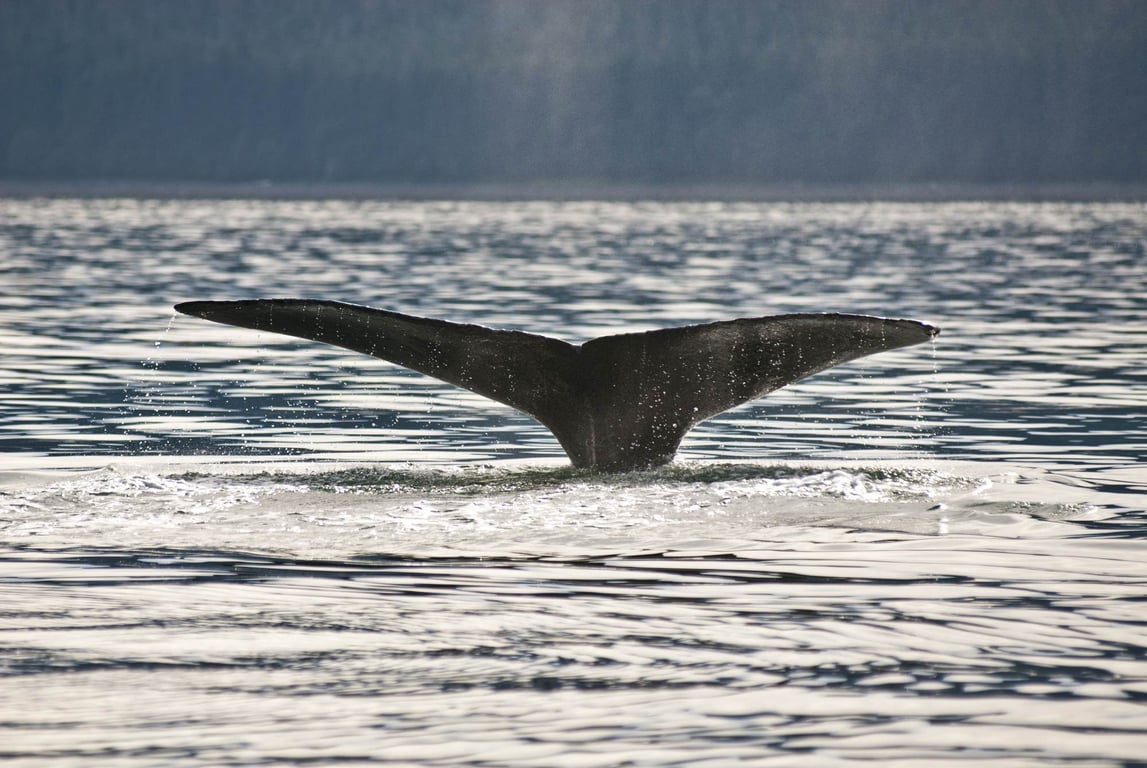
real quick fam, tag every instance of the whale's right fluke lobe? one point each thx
(651, 388)
(614, 403)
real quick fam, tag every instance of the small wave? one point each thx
(865, 483)
(313, 510)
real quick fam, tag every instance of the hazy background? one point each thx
(594, 92)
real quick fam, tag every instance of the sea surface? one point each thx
(220, 547)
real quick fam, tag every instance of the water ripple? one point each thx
(219, 547)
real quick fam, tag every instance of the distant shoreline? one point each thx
(582, 191)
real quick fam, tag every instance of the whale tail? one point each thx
(615, 403)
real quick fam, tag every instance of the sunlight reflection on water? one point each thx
(1042, 308)
(225, 547)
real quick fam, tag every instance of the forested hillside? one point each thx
(649, 91)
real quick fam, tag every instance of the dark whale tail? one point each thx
(614, 403)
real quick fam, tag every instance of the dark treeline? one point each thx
(646, 91)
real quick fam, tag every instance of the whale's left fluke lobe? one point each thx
(614, 403)
(522, 370)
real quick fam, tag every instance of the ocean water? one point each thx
(223, 547)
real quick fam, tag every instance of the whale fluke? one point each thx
(615, 403)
